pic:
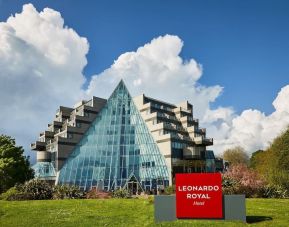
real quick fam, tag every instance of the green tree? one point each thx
(256, 158)
(14, 166)
(273, 163)
(236, 155)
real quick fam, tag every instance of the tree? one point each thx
(256, 158)
(14, 166)
(236, 155)
(273, 163)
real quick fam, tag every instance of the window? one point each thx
(177, 145)
(86, 114)
(78, 124)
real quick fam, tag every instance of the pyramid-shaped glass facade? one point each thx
(117, 148)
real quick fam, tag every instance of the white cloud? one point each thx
(41, 64)
(157, 70)
(252, 129)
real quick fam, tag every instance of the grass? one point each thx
(126, 212)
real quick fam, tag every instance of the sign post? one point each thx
(199, 195)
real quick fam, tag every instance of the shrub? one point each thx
(170, 190)
(67, 192)
(15, 193)
(8, 193)
(275, 192)
(151, 200)
(36, 189)
(96, 194)
(241, 180)
(230, 186)
(120, 193)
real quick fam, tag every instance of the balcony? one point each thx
(166, 116)
(173, 127)
(204, 141)
(163, 138)
(189, 119)
(192, 153)
(194, 129)
(208, 141)
(150, 116)
(85, 119)
(38, 146)
(145, 107)
(186, 110)
(47, 134)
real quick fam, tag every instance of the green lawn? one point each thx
(125, 212)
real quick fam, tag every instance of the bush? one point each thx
(241, 180)
(120, 193)
(67, 192)
(151, 200)
(230, 186)
(10, 192)
(170, 190)
(95, 194)
(36, 189)
(14, 194)
(275, 192)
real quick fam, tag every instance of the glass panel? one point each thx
(44, 170)
(117, 145)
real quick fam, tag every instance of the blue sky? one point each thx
(242, 45)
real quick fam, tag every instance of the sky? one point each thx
(229, 58)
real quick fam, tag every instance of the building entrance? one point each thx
(133, 186)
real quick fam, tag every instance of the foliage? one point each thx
(273, 163)
(151, 199)
(275, 192)
(67, 192)
(239, 179)
(230, 186)
(120, 193)
(14, 167)
(96, 194)
(170, 190)
(255, 158)
(126, 212)
(236, 156)
(36, 189)
(8, 193)
(14, 194)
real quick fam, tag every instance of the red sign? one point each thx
(199, 195)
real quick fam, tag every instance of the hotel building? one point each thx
(136, 143)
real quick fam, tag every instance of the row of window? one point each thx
(148, 164)
(178, 145)
(162, 107)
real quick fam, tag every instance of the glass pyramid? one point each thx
(116, 148)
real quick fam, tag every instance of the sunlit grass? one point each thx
(126, 212)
